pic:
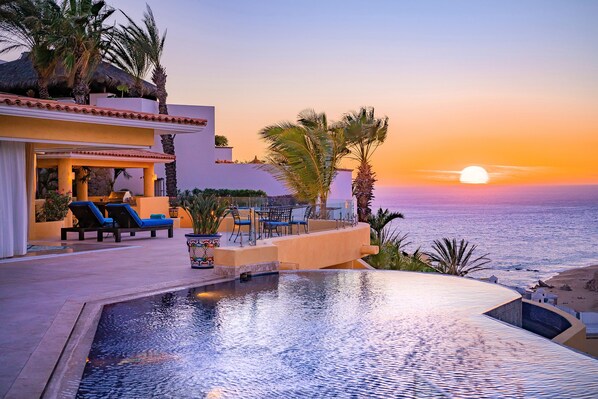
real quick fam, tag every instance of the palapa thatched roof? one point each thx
(18, 77)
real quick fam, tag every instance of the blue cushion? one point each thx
(298, 222)
(156, 222)
(272, 223)
(94, 209)
(108, 222)
(130, 211)
(243, 222)
(157, 216)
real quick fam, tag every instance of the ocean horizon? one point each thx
(531, 233)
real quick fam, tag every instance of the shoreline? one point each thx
(579, 298)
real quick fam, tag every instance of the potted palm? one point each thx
(206, 213)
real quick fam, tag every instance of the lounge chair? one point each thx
(89, 218)
(127, 221)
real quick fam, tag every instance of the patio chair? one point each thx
(278, 219)
(302, 221)
(238, 223)
(89, 218)
(127, 221)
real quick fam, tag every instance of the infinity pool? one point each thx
(328, 334)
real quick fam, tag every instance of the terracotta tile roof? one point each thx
(129, 153)
(52, 105)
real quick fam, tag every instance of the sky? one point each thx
(511, 86)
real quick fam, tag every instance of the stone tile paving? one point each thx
(33, 291)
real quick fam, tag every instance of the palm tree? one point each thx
(380, 220)
(364, 133)
(149, 38)
(450, 257)
(82, 39)
(305, 156)
(129, 55)
(28, 24)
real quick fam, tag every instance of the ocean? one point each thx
(530, 232)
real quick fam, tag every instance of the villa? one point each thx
(289, 315)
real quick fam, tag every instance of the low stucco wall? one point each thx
(574, 336)
(306, 251)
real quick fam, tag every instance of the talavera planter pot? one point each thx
(201, 249)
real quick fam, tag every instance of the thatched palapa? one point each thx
(19, 76)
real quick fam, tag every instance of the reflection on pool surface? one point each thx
(328, 334)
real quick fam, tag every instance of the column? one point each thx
(65, 184)
(82, 186)
(148, 181)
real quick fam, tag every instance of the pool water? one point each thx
(320, 334)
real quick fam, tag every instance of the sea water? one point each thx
(530, 233)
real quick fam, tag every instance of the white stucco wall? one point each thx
(196, 157)
(224, 153)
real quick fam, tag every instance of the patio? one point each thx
(40, 298)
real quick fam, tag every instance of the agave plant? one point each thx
(456, 258)
(205, 211)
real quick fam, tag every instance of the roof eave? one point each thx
(159, 127)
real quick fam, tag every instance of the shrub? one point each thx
(55, 207)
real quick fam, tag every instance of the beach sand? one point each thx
(580, 299)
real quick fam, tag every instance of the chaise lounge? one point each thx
(127, 221)
(89, 218)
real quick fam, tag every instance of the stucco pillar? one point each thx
(31, 175)
(82, 186)
(148, 181)
(65, 176)
(65, 184)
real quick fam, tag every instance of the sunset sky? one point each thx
(508, 85)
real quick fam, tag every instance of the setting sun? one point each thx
(474, 175)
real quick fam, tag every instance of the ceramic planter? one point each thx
(201, 249)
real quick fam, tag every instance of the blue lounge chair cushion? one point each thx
(243, 222)
(101, 220)
(157, 216)
(137, 220)
(156, 222)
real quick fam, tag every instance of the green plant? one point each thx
(29, 25)
(364, 133)
(55, 207)
(205, 211)
(380, 220)
(127, 53)
(305, 156)
(81, 39)
(220, 141)
(450, 257)
(123, 89)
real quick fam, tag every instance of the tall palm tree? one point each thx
(82, 39)
(450, 257)
(129, 55)
(152, 42)
(28, 24)
(305, 155)
(364, 133)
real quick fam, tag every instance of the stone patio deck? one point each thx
(41, 298)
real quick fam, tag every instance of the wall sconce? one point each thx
(73, 175)
(155, 177)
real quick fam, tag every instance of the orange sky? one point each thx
(509, 85)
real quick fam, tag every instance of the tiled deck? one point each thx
(34, 291)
